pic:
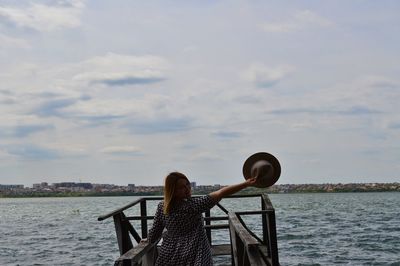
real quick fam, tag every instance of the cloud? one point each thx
(264, 76)
(205, 156)
(299, 21)
(36, 152)
(32, 152)
(55, 104)
(120, 70)
(227, 134)
(83, 109)
(7, 97)
(46, 94)
(130, 80)
(100, 110)
(45, 17)
(122, 150)
(54, 107)
(355, 110)
(394, 125)
(248, 99)
(7, 42)
(365, 94)
(97, 120)
(6, 92)
(22, 131)
(159, 125)
(359, 110)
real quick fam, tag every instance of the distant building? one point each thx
(193, 185)
(73, 185)
(131, 187)
(40, 185)
(11, 187)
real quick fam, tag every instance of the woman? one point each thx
(185, 241)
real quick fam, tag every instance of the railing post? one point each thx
(234, 251)
(122, 230)
(208, 230)
(264, 223)
(273, 243)
(143, 213)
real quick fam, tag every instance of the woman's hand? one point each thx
(251, 181)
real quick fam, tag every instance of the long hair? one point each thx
(169, 189)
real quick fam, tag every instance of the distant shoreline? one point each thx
(276, 189)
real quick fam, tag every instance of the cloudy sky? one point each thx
(127, 91)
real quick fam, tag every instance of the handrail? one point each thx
(269, 236)
(108, 215)
(245, 246)
(254, 251)
(129, 205)
(137, 253)
(267, 202)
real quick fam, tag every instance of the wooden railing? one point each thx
(245, 247)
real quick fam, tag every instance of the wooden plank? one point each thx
(124, 241)
(254, 212)
(243, 196)
(139, 218)
(218, 250)
(267, 202)
(143, 213)
(208, 223)
(273, 242)
(254, 257)
(233, 237)
(216, 218)
(133, 231)
(113, 213)
(264, 222)
(245, 248)
(216, 226)
(222, 208)
(241, 231)
(134, 255)
(103, 217)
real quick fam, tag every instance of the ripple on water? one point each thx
(312, 229)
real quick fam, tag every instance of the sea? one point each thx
(312, 229)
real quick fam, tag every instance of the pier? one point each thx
(245, 247)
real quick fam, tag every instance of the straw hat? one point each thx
(264, 166)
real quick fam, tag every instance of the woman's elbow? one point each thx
(216, 195)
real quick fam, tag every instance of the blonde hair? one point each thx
(169, 189)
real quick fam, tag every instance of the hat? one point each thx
(263, 166)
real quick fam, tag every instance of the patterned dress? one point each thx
(185, 241)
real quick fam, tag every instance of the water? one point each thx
(313, 229)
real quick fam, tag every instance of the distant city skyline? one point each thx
(125, 91)
(87, 189)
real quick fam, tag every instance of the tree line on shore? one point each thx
(286, 188)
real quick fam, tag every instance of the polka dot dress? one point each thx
(185, 242)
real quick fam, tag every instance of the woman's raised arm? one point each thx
(232, 189)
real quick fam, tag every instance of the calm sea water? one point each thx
(313, 229)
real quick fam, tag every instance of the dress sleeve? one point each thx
(158, 224)
(202, 204)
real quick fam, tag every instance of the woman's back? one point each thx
(185, 241)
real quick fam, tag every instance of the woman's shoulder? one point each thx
(202, 200)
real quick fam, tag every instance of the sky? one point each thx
(124, 92)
